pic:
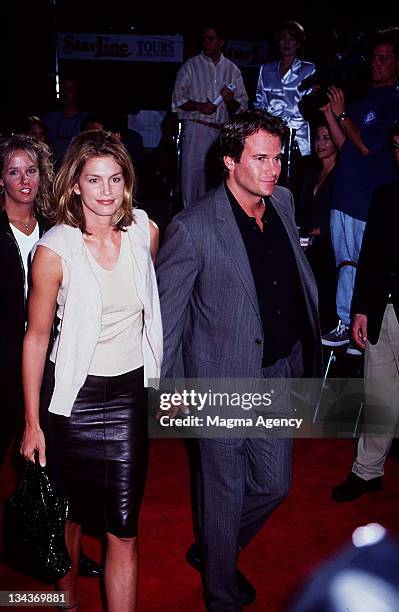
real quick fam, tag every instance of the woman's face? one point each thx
(20, 178)
(101, 187)
(287, 43)
(323, 144)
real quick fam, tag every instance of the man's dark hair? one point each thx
(234, 132)
(387, 36)
(218, 27)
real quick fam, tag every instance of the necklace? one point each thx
(26, 226)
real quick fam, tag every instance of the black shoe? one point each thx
(354, 487)
(88, 567)
(247, 588)
(193, 558)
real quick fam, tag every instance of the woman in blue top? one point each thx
(278, 90)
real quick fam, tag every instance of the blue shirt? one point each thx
(358, 176)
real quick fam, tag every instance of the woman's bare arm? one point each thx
(154, 238)
(46, 280)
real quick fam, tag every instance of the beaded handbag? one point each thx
(34, 526)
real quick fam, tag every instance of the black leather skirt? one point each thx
(98, 456)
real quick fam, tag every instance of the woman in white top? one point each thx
(26, 203)
(95, 267)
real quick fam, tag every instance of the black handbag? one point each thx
(34, 526)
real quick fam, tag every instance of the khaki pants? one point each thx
(197, 140)
(381, 373)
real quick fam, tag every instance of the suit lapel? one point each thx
(284, 215)
(305, 274)
(230, 233)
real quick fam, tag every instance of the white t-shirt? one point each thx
(25, 244)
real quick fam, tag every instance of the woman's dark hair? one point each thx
(29, 122)
(234, 132)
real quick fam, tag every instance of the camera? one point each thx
(347, 68)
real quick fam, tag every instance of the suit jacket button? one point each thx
(258, 341)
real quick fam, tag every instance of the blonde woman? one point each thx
(26, 176)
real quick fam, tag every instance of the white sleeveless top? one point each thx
(80, 304)
(118, 347)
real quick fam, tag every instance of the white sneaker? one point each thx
(352, 349)
(336, 337)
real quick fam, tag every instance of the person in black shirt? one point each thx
(375, 328)
(314, 219)
(239, 301)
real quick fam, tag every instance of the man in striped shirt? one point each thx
(204, 102)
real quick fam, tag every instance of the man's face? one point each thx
(384, 66)
(69, 92)
(211, 43)
(257, 172)
(395, 144)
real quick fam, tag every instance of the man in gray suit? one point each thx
(239, 300)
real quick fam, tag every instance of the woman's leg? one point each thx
(121, 573)
(68, 583)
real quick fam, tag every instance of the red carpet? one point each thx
(305, 530)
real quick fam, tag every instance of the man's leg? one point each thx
(268, 481)
(382, 363)
(221, 470)
(268, 458)
(197, 139)
(381, 373)
(347, 236)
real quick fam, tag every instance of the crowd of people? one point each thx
(92, 314)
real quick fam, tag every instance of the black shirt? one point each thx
(276, 279)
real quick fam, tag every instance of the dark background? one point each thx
(27, 43)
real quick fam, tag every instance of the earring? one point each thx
(2, 190)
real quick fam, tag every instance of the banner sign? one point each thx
(120, 47)
(247, 53)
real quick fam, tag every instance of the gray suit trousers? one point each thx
(241, 482)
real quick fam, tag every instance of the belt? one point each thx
(215, 126)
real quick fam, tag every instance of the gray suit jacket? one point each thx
(209, 304)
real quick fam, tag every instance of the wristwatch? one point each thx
(342, 116)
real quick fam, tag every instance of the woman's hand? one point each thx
(32, 441)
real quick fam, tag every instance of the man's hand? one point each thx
(359, 330)
(207, 108)
(337, 100)
(226, 94)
